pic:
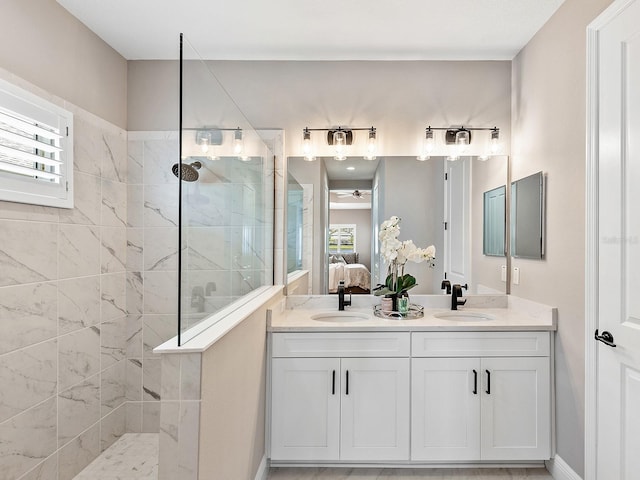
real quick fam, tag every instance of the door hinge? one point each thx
(67, 131)
(445, 225)
(67, 186)
(446, 176)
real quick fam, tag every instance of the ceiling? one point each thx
(317, 29)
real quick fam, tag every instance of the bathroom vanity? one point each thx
(351, 388)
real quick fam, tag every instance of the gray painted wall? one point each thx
(43, 44)
(548, 124)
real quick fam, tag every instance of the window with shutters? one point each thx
(36, 149)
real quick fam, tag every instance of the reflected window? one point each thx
(342, 238)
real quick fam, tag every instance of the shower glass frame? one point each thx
(226, 216)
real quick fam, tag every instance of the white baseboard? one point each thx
(560, 470)
(263, 469)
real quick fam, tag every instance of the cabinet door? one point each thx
(305, 409)
(516, 406)
(375, 409)
(445, 409)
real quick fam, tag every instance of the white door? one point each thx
(375, 409)
(457, 221)
(618, 311)
(305, 409)
(516, 409)
(445, 406)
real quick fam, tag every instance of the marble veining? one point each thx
(133, 457)
(25, 252)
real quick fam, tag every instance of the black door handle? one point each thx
(475, 382)
(333, 383)
(346, 391)
(488, 382)
(605, 338)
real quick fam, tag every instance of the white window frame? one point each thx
(23, 112)
(340, 227)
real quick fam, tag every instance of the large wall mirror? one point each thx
(440, 202)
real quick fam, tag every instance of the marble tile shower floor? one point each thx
(134, 456)
(409, 474)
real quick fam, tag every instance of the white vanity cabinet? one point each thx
(481, 396)
(340, 396)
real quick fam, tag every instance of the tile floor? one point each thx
(135, 457)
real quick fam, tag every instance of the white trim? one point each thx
(591, 254)
(213, 328)
(263, 469)
(591, 234)
(560, 470)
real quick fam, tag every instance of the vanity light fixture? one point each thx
(460, 139)
(340, 138)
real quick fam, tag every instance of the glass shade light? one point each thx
(371, 145)
(307, 147)
(238, 144)
(339, 142)
(494, 142)
(428, 144)
(462, 140)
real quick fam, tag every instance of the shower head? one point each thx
(189, 171)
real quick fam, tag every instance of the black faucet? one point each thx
(456, 294)
(446, 285)
(341, 301)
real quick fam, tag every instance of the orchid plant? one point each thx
(397, 253)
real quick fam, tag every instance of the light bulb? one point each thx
(237, 141)
(204, 145)
(309, 158)
(423, 158)
(340, 158)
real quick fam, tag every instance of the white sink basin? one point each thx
(465, 316)
(340, 317)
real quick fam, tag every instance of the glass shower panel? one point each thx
(227, 200)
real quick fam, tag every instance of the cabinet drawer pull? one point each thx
(333, 383)
(347, 386)
(475, 382)
(488, 382)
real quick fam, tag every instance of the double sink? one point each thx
(453, 315)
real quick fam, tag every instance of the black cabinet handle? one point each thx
(333, 383)
(475, 382)
(488, 382)
(347, 386)
(605, 338)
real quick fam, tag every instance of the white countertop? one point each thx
(510, 313)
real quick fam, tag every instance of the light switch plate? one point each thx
(503, 273)
(516, 275)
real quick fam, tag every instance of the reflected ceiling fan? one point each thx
(358, 194)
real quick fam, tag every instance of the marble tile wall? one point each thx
(151, 266)
(63, 315)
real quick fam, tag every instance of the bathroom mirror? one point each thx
(445, 213)
(527, 217)
(493, 238)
